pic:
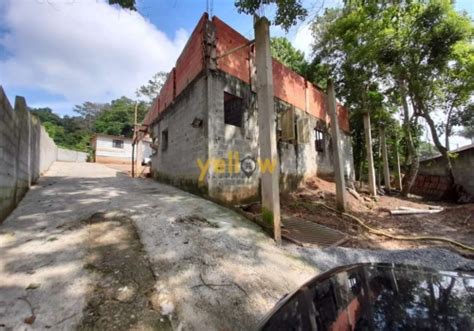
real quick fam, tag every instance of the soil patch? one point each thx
(454, 222)
(122, 296)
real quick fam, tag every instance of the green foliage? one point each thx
(117, 118)
(283, 51)
(288, 12)
(75, 132)
(152, 89)
(294, 59)
(466, 119)
(128, 4)
(68, 132)
(385, 54)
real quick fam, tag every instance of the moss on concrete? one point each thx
(267, 216)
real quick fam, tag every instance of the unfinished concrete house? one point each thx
(204, 123)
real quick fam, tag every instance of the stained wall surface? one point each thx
(26, 152)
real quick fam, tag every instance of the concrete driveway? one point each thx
(212, 269)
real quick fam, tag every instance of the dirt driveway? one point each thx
(91, 248)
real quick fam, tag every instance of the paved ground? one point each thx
(212, 268)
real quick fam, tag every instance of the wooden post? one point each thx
(337, 150)
(267, 126)
(134, 139)
(370, 156)
(386, 167)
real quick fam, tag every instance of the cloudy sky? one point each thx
(58, 53)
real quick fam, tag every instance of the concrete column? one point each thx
(386, 168)
(370, 156)
(337, 150)
(399, 172)
(267, 126)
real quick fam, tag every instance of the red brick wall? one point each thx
(431, 186)
(316, 102)
(343, 118)
(191, 61)
(288, 85)
(167, 92)
(237, 63)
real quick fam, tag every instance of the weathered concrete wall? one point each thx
(232, 185)
(325, 158)
(463, 171)
(224, 146)
(26, 151)
(48, 151)
(67, 155)
(433, 180)
(17, 169)
(177, 163)
(298, 159)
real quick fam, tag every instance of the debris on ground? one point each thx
(411, 211)
(196, 220)
(435, 219)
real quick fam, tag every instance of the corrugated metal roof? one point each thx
(457, 150)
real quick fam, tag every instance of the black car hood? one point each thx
(378, 297)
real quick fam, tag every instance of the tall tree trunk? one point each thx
(413, 160)
(447, 130)
(443, 150)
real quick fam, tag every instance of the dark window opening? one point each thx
(233, 110)
(164, 140)
(117, 143)
(319, 141)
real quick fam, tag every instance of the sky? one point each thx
(59, 53)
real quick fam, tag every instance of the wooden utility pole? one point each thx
(370, 156)
(386, 167)
(336, 149)
(134, 138)
(267, 126)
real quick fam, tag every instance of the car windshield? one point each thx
(378, 297)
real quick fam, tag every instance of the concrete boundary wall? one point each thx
(26, 152)
(67, 155)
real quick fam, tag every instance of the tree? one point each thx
(46, 115)
(287, 14)
(410, 51)
(284, 52)
(117, 118)
(127, 4)
(89, 111)
(466, 120)
(152, 89)
(70, 131)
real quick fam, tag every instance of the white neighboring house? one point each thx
(112, 149)
(118, 149)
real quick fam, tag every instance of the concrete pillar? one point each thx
(337, 150)
(370, 156)
(267, 126)
(386, 168)
(399, 172)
